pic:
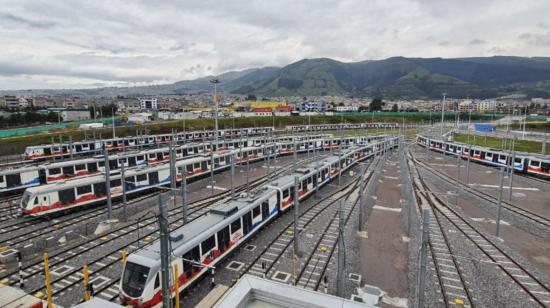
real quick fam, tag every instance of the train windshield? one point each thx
(25, 199)
(133, 281)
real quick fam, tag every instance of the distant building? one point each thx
(312, 106)
(486, 105)
(11, 102)
(346, 108)
(263, 112)
(140, 118)
(148, 103)
(128, 105)
(71, 115)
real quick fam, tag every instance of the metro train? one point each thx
(14, 180)
(40, 152)
(46, 199)
(62, 195)
(523, 162)
(204, 242)
(339, 126)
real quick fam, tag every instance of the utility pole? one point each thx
(458, 163)
(108, 184)
(423, 257)
(296, 216)
(164, 254)
(341, 252)
(340, 167)
(499, 204)
(172, 171)
(319, 176)
(184, 194)
(247, 173)
(295, 156)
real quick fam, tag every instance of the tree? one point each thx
(376, 105)
(394, 108)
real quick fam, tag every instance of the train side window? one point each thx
(140, 157)
(36, 200)
(285, 193)
(84, 190)
(80, 167)
(535, 163)
(256, 211)
(236, 225)
(141, 177)
(115, 183)
(54, 171)
(1, 179)
(208, 244)
(157, 281)
(101, 163)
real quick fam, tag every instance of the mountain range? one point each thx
(395, 78)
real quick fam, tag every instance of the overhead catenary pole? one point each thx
(468, 164)
(212, 171)
(442, 114)
(123, 183)
(296, 215)
(108, 184)
(423, 257)
(113, 118)
(184, 194)
(164, 254)
(232, 176)
(457, 183)
(361, 198)
(173, 172)
(319, 175)
(215, 81)
(510, 188)
(499, 204)
(341, 251)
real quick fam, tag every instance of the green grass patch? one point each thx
(496, 143)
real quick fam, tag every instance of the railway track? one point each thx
(525, 280)
(101, 266)
(316, 263)
(514, 209)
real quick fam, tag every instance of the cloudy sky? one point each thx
(80, 44)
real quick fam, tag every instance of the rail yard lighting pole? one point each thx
(215, 82)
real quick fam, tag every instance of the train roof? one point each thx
(68, 163)
(197, 231)
(18, 169)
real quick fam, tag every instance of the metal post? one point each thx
(543, 150)
(86, 287)
(172, 171)
(499, 204)
(108, 184)
(20, 269)
(123, 183)
(232, 175)
(164, 254)
(296, 215)
(319, 176)
(511, 177)
(184, 194)
(247, 174)
(442, 114)
(468, 165)
(295, 156)
(423, 257)
(361, 198)
(48, 280)
(341, 252)
(340, 167)
(212, 171)
(458, 165)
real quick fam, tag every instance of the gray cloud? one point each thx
(477, 41)
(82, 43)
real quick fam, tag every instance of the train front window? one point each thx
(133, 281)
(25, 199)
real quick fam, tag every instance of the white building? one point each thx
(346, 108)
(148, 103)
(140, 118)
(70, 115)
(486, 105)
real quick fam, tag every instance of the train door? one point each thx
(265, 210)
(247, 223)
(47, 151)
(223, 239)
(67, 196)
(153, 178)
